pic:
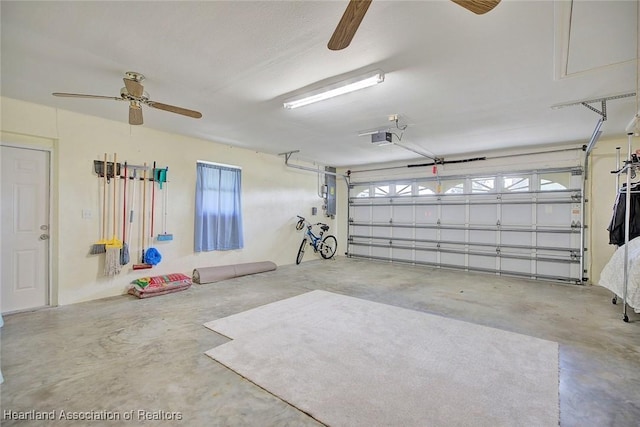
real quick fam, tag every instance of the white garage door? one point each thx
(525, 224)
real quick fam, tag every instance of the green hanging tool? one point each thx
(160, 175)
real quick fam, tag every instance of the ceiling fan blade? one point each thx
(478, 7)
(135, 114)
(348, 24)
(133, 87)
(174, 109)
(80, 95)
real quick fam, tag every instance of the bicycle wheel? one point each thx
(329, 247)
(301, 251)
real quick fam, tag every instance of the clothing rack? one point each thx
(631, 165)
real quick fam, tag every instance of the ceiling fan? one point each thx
(134, 93)
(356, 9)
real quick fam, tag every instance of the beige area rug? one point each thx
(351, 362)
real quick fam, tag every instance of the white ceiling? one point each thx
(463, 83)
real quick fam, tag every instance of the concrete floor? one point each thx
(122, 354)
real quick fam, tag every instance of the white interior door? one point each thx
(24, 228)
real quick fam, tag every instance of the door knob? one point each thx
(44, 236)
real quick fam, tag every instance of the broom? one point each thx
(162, 178)
(112, 262)
(99, 248)
(124, 253)
(142, 264)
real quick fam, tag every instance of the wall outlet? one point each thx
(86, 214)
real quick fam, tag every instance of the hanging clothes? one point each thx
(617, 225)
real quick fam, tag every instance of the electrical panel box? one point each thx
(330, 198)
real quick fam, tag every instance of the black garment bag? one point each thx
(617, 225)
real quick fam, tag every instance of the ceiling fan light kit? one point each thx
(331, 91)
(133, 92)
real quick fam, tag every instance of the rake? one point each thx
(142, 264)
(112, 264)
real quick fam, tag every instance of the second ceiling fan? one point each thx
(356, 10)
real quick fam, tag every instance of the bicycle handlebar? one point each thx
(309, 224)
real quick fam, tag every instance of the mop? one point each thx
(162, 178)
(99, 248)
(112, 261)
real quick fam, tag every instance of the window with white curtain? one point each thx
(218, 221)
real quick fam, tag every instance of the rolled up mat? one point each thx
(223, 272)
(166, 290)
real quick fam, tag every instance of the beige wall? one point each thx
(272, 195)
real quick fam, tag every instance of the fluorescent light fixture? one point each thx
(356, 83)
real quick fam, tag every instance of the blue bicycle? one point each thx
(327, 246)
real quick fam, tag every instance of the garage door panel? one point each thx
(380, 252)
(426, 214)
(455, 214)
(381, 232)
(554, 214)
(359, 250)
(482, 262)
(516, 251)
(402, 233)
(452, 259)
(360, 230)
(554, 240)
(516, 265)
(360, 213)
(381, 214)
(402, 214)
(516, 238)
(553, 269)
(426, 234)
(403, 254)
(482, 236)
(483, 214)
(516, 215)
(453, 235)
(430, 257)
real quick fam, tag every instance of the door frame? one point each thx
(51, 297)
